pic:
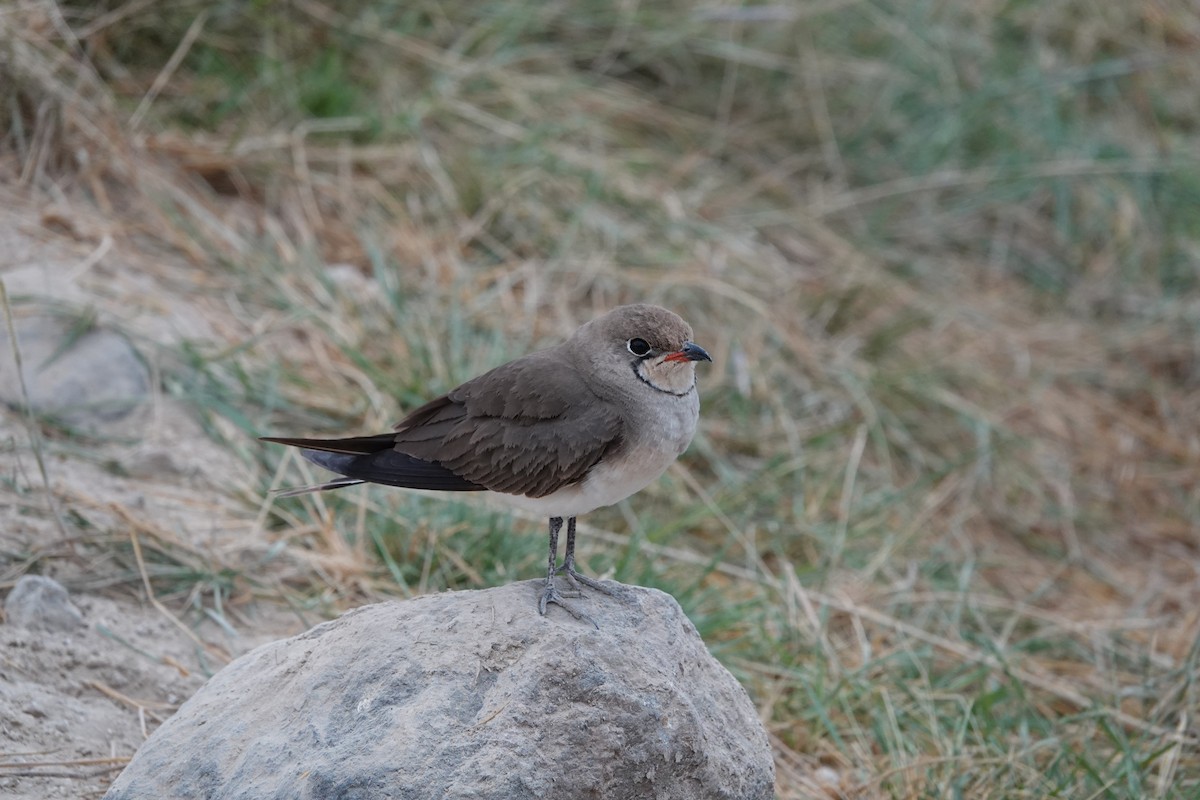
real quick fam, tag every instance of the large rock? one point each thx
(468, 695)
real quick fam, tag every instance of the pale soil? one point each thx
(69, 699)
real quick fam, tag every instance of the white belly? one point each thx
(603, 486)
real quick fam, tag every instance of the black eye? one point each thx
(638, 347)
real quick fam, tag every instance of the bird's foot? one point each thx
(576, 578)
(551, 594)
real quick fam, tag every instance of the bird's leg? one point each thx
(555, 527)
(550, 593)
(568, 566)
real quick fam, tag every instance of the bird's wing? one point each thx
(529, 427)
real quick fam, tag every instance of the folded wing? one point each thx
(529, 427)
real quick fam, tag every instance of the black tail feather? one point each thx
(351, 445)
(374, 459)
(320, 487)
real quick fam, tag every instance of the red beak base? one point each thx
(690, 352)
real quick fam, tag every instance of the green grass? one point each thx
(940, 510)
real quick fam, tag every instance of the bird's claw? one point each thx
(551, 594)
(576, 578)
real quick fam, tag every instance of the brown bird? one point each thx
(559, 432)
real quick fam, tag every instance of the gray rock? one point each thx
(41, 603)
(468, 695)
(85, 382)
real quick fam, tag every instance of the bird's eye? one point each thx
(638, 347)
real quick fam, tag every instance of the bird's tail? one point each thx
(352, 445)
(319, 487)
(334, 455)
(372, 459)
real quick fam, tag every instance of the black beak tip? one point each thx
(695, 352)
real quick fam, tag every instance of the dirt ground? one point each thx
(75, 705)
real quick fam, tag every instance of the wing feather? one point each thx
(529, 427)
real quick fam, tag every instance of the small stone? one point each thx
(469, 694)
(85, 380)
(827, 777)
(41, 603)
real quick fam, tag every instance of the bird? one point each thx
(559, 432)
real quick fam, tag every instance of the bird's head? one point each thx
(643, 341)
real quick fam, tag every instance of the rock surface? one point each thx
(41, 603)
(468, 695)
(86, 381)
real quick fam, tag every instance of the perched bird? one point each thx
(559, 432)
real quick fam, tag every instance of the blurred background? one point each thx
(942, 517)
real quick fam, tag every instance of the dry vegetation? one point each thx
(943, 516)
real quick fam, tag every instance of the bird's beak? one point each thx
(690, 352)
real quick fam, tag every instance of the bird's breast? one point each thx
(673, 424)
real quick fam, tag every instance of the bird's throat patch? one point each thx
(667, 377)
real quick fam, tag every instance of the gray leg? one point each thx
(550, 593)
(568, 566)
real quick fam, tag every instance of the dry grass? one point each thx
(943, 513)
